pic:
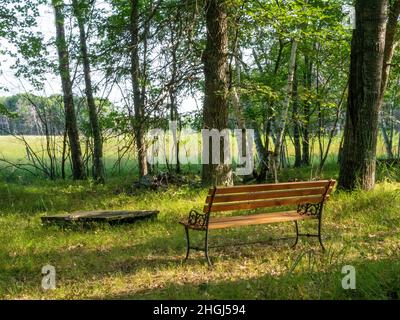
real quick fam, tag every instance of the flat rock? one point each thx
(100, 216)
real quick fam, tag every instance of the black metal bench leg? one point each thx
(297, 234)
(319, 234)
(187, 243)
(206, 249)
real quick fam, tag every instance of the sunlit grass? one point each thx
(144, 260)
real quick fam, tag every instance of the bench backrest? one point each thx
(247, 197)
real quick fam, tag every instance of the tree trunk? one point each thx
(387, 139)
(262, 154)
(390, 45)
(238, 108)
(306, 112)
(263, 151)
(78, 171)
(98, 167)
(296, 125)
(332, 132)
(398, 144)
(282, 119)
(358, 163)
(215, 110)
(138, 99)
(64, 154)
(172, 89)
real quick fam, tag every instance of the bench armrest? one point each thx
(310, 209)
(197, 219)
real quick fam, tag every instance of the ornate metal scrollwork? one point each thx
(198, 220)
(311, 209)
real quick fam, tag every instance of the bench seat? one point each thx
(254, 219)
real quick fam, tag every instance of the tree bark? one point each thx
(215, 110)
(138, 98)
(175, 34)
(78, 171)
(296, 125)
(262, 152)
(98, 167)
(332, 132)
(387, 139)
(390, 45)
(358, 162)
(282, 119)
(306, 112)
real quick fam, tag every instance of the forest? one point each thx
(129, 106)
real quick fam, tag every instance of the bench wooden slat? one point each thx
(264, 218)
(250, 216)
(266, 195)
(270, 187)
(262, 204)
(260, 218)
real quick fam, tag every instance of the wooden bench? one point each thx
(308, 196)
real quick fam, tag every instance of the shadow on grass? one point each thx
(78, 262)
(374, 280)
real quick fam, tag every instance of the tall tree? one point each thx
(306, 112)
(78, 170)
(80, 7)
(138, 95)
(358, 159)
(282, 119)
(215, 110)
(175, 35)
(296, 122)
(390, 45)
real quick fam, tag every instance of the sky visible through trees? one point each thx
(45, 24)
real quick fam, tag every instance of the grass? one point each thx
(144, 260)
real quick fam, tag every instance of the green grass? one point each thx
(144, 260)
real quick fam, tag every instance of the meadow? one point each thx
(144, 260)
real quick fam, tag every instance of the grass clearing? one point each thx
(145, 260)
